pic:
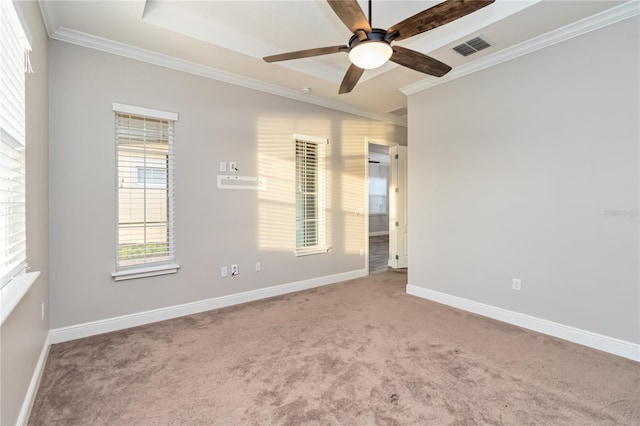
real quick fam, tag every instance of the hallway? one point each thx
(378, 253)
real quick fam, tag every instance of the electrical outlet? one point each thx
(234, 270)
(224, 272)
(258, 267)
(42, 312)
(516, 284)
(233, 167)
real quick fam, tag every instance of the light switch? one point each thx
(223, 166)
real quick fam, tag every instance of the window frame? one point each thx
(321, 217)
(14, 54)
(15, 281)
(147, 268)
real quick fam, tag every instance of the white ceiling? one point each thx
(229, 38)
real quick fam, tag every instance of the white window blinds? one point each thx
(310, 195)
(145, 163)
(13, 54)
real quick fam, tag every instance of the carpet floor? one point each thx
(361, 352)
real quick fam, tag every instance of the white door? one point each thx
(398, 244)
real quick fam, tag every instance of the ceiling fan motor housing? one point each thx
(361, 36)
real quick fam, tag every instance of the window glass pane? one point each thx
(145, 190)
(151, 175)
(377, 195)
(378, 189)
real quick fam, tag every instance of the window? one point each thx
(310, 195)
(145, 167)
(14, 59)
(378, 188)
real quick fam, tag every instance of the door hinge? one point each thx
(397, 224)
(397, 257)
(396, 157)
(397, 189)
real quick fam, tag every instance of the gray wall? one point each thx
(218, 122)
(529, 169)
(23, 334)
(378, 224)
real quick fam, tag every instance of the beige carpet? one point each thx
(355, 353)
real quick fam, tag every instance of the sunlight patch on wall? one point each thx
(276, 163)
(345, 179)
(352, 184)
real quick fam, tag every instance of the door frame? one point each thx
(398, 239)
(368, 141)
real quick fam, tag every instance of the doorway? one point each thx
(378, 203)
(387, 230)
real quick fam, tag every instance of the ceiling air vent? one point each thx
(471, 46)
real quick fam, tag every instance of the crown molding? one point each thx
(603, 19)
(47, 16)
(121, 49)
(586, 25)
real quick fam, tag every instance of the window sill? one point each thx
(12, 293)
(145, 271)
(312, 250)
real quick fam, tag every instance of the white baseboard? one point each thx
(583, 337)
(378, 233)
(79, 331)
(30, 397)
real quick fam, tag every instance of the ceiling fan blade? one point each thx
(306, 53)
(419, 62)
(350, 13)
(350, 79)
(435, 16)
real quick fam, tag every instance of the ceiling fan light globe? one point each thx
(370, 54)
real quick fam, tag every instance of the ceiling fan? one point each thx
(370, 48)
